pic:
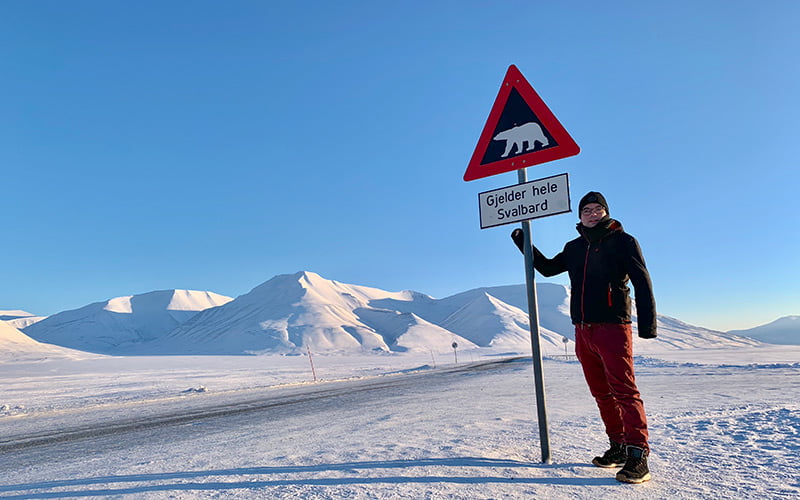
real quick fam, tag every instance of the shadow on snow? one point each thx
(83, 486)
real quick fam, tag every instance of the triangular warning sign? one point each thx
(521, 131)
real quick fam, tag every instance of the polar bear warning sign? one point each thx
(530, 133)
(521, 131)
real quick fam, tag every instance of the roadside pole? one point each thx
(311, 360)
(536, 351)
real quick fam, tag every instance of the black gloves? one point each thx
(519, 239)
(647, 333)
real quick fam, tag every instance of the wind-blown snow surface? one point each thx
(388, 426)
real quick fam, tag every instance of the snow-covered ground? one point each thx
(725, 423)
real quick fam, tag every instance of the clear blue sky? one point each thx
(212, 145)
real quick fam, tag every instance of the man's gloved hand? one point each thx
(519, 239)
(647, 333)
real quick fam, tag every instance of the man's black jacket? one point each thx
(600, 263)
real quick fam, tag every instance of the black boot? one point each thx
(613, 457)
(635, 469)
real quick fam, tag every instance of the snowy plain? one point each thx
(113, 400)
(724, 423)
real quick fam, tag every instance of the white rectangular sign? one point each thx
(531, 200)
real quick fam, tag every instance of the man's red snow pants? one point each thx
(605, 351)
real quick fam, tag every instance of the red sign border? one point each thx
(566, 144)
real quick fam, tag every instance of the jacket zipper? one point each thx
(583, 285)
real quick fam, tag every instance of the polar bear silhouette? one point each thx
(529, 132)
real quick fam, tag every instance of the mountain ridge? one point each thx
(783, 331)
(290, 313)
(107, 327)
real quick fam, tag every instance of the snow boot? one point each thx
(635, 470)
(613, 457)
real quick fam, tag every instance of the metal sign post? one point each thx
(536, 351)
(520, 132)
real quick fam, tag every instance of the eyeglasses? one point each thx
(593, 211)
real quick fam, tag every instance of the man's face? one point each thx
(592, 214)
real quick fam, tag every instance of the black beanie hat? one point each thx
(592, 197)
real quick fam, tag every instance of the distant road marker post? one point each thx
(311, 360)
(520, 132)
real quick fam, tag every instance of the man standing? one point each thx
(600, 262)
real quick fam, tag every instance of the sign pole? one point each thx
(521, 123)
(533, 316)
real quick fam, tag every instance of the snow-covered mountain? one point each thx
(25, 322)
(17, 346)
(12, 339)
(290, 313)
(7, 315)
(19, 319)
(492, 316)
(784, 331)
(675, 334)
(113, 326)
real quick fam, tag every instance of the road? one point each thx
(75, 434)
